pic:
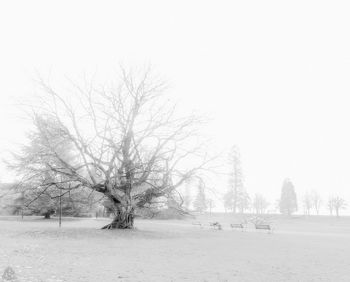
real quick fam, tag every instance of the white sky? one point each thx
(274, 75)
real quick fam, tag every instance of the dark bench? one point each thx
(237, 226)
(263, 226)
(216, 225)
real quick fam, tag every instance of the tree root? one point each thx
(117, 226)
(118, 223)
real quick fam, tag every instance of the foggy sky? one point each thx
(274, 76)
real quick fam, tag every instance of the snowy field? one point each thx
(300, 249)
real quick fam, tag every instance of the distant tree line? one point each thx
(237, 200)
(80, 202)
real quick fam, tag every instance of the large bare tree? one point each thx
(128, 141)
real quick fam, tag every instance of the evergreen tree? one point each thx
(17, 206)
(40, 194)
(288, 202)
(200, 203)
(236, 198)
(228, 200)
(187, 196)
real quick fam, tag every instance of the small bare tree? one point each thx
(243, 202)
(211, 205)
(337, 203)
(260, 204)
(330, 205)
(316, 201)
(307, 203)
(128, 143)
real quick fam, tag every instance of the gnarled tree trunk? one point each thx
(124, 218)
(47, 215)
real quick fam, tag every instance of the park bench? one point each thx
(237, 226)
(197, 223)
(216, 225)
(263, 227)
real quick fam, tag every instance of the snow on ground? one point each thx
(314, 249)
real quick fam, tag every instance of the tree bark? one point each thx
(124, 219)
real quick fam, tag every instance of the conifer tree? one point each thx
(288, 202)
(200, 203)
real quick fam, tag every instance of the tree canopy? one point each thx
(126, 141)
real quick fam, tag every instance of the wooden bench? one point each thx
(237, 226)
(197, 223)
(216, 225)
(263, 227)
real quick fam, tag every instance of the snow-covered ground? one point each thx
(313, 249)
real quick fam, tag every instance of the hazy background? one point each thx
(273, 75)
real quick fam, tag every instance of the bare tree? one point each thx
(211, 205)
(260, 204)
(330, 205)
(337, 204)
(129, 143)
(307, 203)
(316, 201)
